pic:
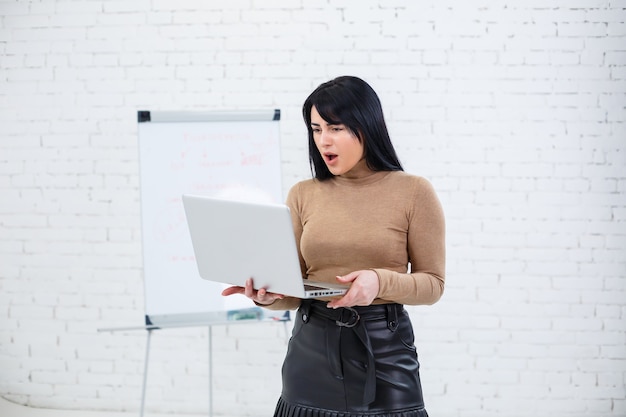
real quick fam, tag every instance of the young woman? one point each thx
(360, 221)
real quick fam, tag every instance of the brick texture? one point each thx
(515, 111)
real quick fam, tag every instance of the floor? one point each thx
(9, 409)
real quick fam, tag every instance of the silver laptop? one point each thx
(235, 240)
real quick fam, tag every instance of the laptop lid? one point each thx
(235, 240)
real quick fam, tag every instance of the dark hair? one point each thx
(352, 102)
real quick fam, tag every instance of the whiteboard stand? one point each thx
(151, 328)
(145, 373)
(228, 154)
(210, 371)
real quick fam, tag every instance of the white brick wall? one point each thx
(515, 111)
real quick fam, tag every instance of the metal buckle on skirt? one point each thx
(351, 321)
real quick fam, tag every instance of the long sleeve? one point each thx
(426, 248)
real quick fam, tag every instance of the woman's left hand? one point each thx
(362, 292)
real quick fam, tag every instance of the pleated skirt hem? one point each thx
(284, 409)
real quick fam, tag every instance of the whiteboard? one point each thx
(234, 155)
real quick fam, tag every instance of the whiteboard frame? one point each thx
(153, 321)
(146, 116)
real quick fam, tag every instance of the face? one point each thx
(341, 150)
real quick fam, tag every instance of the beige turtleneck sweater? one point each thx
(382, 221)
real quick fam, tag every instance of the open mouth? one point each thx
(330, 157)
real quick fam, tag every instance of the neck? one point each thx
(360, 170)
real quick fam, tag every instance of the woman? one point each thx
(360, 221)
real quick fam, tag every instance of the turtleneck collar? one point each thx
(362, 178)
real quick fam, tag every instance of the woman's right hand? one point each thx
(260, 296)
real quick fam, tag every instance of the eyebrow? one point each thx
(327, 124)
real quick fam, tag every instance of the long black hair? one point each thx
(352, 102)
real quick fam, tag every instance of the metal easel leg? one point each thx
(210, 372)
(145, 374)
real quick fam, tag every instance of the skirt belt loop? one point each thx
(392, 317)
(305, 310)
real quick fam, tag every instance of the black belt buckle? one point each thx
(352, 320)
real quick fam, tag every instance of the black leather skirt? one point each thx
(351, 362)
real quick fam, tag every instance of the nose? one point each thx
(325, 138)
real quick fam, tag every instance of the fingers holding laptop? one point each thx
(260, 296)
(364, 287)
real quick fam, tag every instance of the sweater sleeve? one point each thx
(426, 247)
